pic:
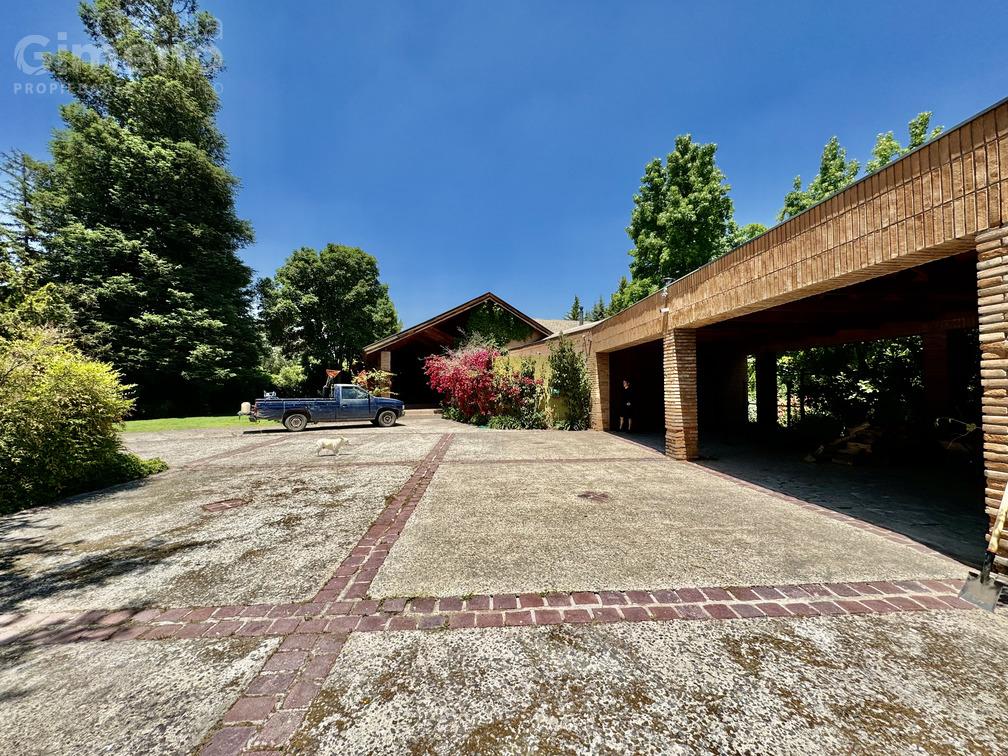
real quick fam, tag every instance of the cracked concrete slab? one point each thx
(186, 447)
(492, 529)
(121, 698)
(152, 543)
(881, 684)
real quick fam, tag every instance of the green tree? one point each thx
(739, 235)
(835, 173)
(286, 374)
(20, 236)
(323, 307)
(681, 214)
(138, 210)
(887, 147)
(575, 310)
(598, 311)
(628, 292)
(27, 301)
(681, 219)
(880, 381)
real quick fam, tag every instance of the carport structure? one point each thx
(919, 247)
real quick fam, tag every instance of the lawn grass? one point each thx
(185, 423)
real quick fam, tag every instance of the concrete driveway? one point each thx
(442, 588)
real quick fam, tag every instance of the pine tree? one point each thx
(138, 205)
(575, 310)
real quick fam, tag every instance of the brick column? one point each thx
(385, 363)
(992, 301)
(766, 390)
(681, 432)
(598, 380)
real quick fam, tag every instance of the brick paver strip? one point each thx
(316, 621)
(356, 572)
(278, 715)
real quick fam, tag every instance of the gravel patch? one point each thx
(913, 683)
(153, 543)
(121, 698)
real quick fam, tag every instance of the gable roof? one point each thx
(555, 326)
(390, 341)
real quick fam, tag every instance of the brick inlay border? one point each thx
(341, 617)
(273, 705)
(233, 452)
(356, 572)
(557, 460)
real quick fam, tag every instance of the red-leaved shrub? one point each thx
(465, 378)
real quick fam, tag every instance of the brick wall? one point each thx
(992, 289)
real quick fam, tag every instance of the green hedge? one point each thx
(60, 420)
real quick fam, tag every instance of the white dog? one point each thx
(331, 443)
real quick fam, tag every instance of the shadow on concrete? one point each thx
(270, 427)
(32, 566)
(938, 505)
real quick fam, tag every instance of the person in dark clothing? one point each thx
(626, 407)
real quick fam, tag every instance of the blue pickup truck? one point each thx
(344, 402)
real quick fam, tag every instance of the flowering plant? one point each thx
(475, 392)
(465, 378)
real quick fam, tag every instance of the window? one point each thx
(354, 392)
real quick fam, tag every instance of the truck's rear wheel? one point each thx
(386, 418)
(295, 422)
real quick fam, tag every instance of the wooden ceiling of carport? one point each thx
(937, 296)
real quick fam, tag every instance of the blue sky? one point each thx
(472, 146)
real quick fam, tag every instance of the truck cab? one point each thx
(345, 402)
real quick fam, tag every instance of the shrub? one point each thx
(60, 419)
(520, 395)
(122, 467)
(453, 413)
(569, 384)
(465, 379)
(477, 386)
(504, 422)
(375, 381)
